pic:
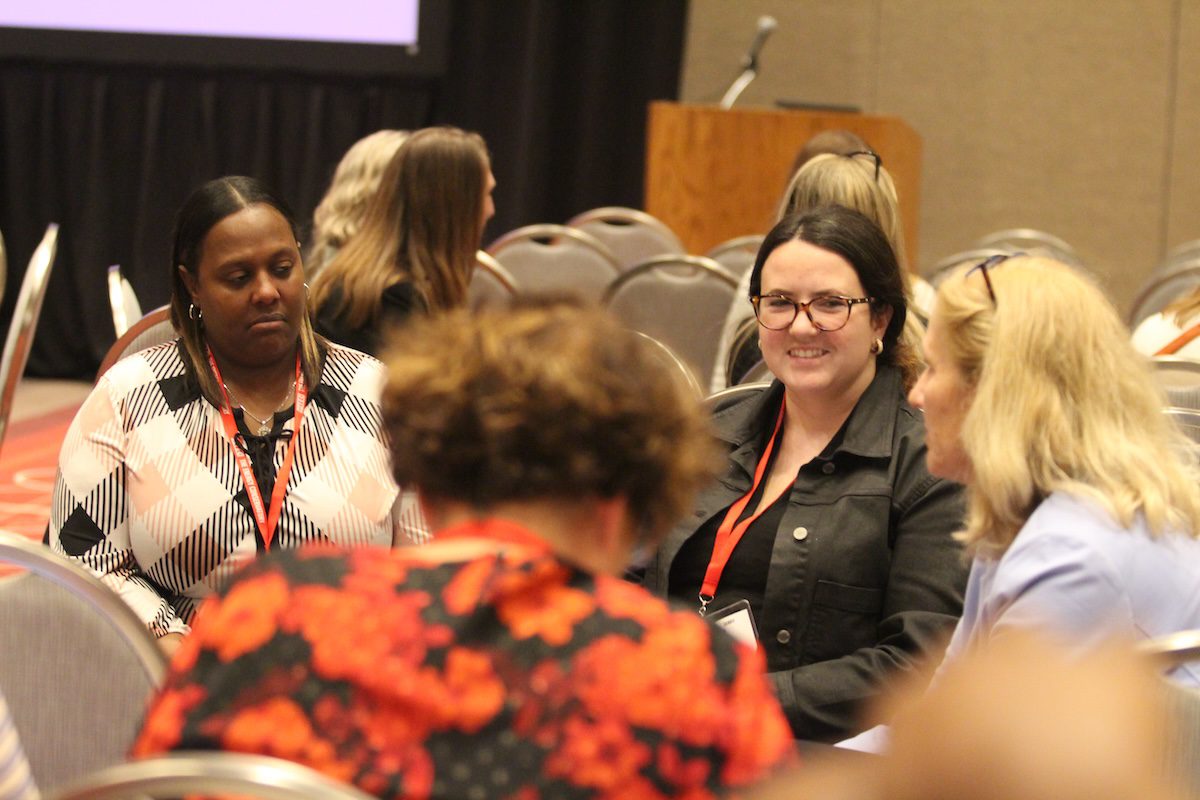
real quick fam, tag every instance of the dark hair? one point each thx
(203, 209)
(858, 240)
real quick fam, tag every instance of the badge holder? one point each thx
(736, 620)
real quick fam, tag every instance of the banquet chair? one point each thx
(19, 341)
(946, 266)
(632, 235)
(555, 258)
(719, 401)
(737, 255)
(1158, 292)
(1179, 378)
(673, 363)
(491, 284)
(1033, 242)
(154, 328)
(123, 300)
(208, 774)
(758, 372)
(77, 666)
(680, 300)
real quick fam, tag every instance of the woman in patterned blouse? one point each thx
(248, 433)
(507, 659)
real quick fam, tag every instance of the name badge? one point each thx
(736, 620)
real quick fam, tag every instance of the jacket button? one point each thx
(828, 468)
(784, 636)
(800, 534)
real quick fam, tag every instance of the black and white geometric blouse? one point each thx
(148, 494)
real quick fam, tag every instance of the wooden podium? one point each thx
(713, 174)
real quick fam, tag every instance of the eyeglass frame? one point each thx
(872, 154)
(798, 306)
(984, 266)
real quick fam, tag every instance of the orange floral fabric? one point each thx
(512, 675)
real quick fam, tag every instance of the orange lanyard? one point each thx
(267, 520)
(730, 532)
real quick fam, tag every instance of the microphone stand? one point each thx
(738, 86)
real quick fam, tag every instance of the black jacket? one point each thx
(864, 575)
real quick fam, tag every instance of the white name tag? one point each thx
(736, 620)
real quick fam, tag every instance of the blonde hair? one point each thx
(1061, 402)
(423, 225)
(849, 181)
(356, 179)
(1184, 308)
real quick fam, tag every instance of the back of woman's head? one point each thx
(859, 241)
(356, 179)
(424, 224)
(545, 401)
(1061, 401)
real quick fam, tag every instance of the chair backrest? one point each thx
(3, 267)
(719, 401)
(19, 341)
(125, 306)
(491, 284)
(154, 328)
(76, 664)
(758, 372)
(1034, 242)
(942, 269)
(555, 258)
(737, 255)
(679, 300)
(1179, 378)
(632, 235)
(1157, 293)
(208, 774)
(673, 363)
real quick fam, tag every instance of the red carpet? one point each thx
(27, 462)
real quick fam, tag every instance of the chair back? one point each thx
(125, 306)
(3, 267)
(491, 284)
(737, 255)
(555, 258)
(77, 666)
(632, 235)
(153, 329)
(1034, 242)
(943, 269)
(679, 300)
(759, 372)
(719, 401)
(673, 363)
(1158, 293)
(208, 774)
(1179, 378)
(19, 341)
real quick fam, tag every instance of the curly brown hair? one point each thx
(546, 400)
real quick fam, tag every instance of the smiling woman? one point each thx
(248, 433)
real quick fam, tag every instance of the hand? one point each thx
(170, 643)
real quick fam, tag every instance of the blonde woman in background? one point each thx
(1172, 331)
(355, 181)
(854, 180)
(416, 249)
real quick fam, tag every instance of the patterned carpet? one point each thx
(27, 463)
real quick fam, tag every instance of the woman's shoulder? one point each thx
(150, 365)
(353, 371)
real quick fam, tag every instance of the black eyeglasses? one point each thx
(873, 155)
(989, 263)
(826, 312)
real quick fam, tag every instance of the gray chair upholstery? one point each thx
(153, 329)
(491, 284)
(679, 300)
(126, 309)
(76, 664)
(555, 258)
(19, 341)
(737, 255)
(944, 268)
(673, 363)
(633, 236)
(208, 774)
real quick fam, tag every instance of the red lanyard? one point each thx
(731, 531)
(267, 520)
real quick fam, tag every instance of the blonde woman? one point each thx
(1174, 331)
(355, 181)
(416, 249)
(856, 180)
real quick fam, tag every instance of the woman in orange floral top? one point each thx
(506, 659)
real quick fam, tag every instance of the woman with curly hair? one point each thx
(508, 658)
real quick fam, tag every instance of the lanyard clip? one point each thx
(704, 601)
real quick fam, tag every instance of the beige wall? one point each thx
(1079, 117)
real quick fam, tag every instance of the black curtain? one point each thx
(559, 91)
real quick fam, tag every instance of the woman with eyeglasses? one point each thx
(1082, 512)
(826, 535)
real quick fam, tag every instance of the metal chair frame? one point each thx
(495, 273)
(718, 401)
(138, 337)
(123, 300)
(1031, 238)
(669, 356)
(750, 244)
(1188, 277)
(550, 233)
(623, 217)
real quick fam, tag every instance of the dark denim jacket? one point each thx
(864, 574)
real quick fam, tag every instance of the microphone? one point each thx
(766, 26)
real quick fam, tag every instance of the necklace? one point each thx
(264, 425)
